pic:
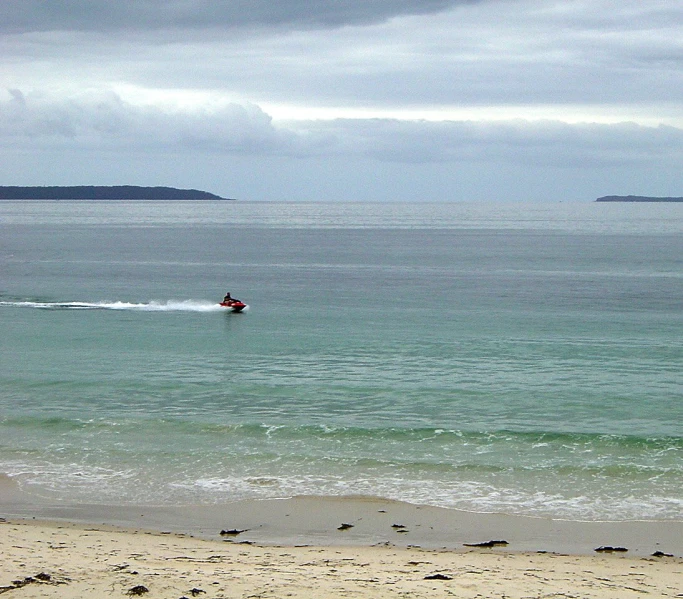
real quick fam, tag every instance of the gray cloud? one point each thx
(515, 142)
(488, 53)
(104, 15)
(101, 90)
(105, 121)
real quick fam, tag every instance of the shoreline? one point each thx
(353, 521)
(295, 548)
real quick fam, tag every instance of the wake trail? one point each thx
(153, 306)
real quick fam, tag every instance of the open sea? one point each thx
(508, 358)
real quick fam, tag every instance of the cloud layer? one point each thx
(145, 15)
(489, 86)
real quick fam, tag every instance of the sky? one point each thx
(346, 100)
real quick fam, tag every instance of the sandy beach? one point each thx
(324, 547)
(71, 561)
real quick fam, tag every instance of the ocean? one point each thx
(490, 357)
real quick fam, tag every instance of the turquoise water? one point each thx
(495, 357)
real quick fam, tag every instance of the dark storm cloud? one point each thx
(103, 15)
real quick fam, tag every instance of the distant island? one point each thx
(636, 199)
(99, 192)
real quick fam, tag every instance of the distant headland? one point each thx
(636, 199)
(99, 192)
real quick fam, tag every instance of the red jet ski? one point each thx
(234, 305)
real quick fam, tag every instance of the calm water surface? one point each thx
(490, 357)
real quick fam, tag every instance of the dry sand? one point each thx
(71, 561)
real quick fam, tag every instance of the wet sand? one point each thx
(371, 521)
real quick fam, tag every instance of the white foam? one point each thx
(153, 306)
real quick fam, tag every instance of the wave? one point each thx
(153, 306)
(296, 432)
(176, 461)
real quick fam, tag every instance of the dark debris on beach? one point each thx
(41, 578)
(438, 577)
(487, 544)
(610, 549)
(232, 532)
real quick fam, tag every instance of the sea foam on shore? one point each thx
(357, 521)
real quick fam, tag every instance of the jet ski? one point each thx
(234, 305)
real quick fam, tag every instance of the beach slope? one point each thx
(43, 559)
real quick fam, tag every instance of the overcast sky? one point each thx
(346, 100)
